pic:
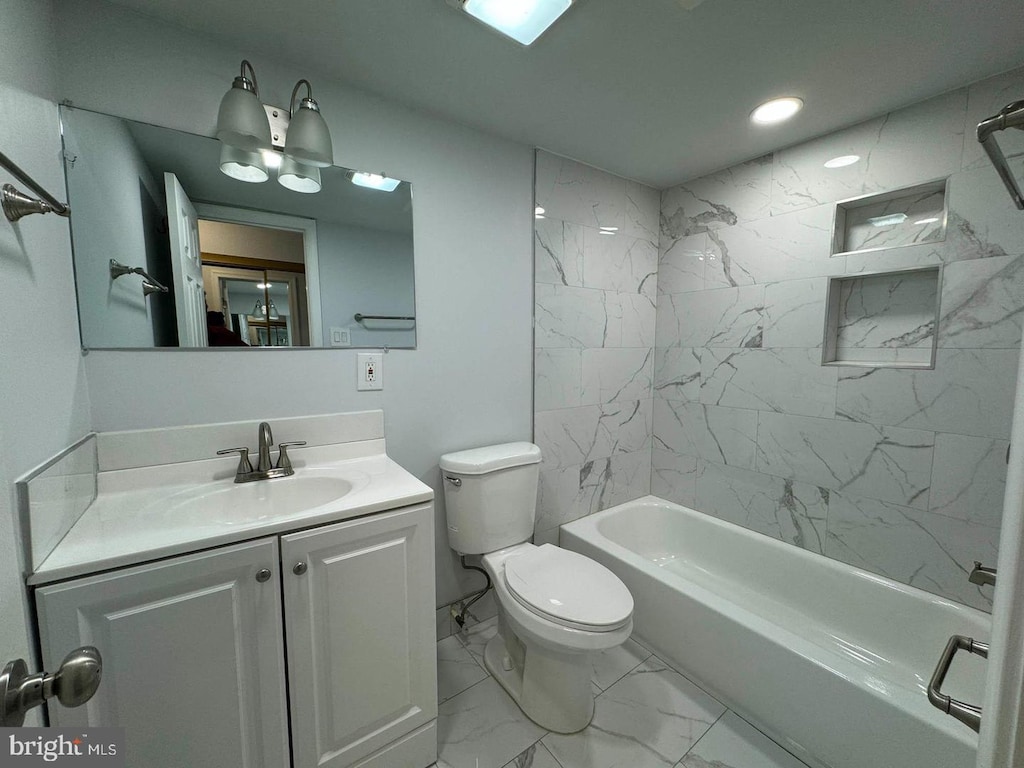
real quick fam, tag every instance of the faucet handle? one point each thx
(283, 462)
(244, 465)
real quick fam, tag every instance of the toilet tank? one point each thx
(490, 496)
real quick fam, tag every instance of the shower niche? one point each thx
(883, 319)
(909, 216)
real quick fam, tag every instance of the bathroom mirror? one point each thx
(171, 253)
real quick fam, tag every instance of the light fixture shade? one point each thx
(375, 181)
(309, 140)
(242, 121)
(522, 20)
(259, 310)
(242, 165)
(273, 312)
(299, 177)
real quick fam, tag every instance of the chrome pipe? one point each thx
(1010, 116)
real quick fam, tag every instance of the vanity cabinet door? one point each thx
(359, 617)
(193, 658)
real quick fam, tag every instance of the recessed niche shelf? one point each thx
(883, 319)
(909, 216)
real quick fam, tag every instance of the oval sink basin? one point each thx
(227, 503)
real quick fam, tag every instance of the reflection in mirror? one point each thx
(247, 264)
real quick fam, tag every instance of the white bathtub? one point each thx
(830, 660)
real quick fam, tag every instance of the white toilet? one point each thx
(554, 606)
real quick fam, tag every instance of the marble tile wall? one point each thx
(596, 252)
(899, 471)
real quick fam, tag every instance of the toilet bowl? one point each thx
(555, 607)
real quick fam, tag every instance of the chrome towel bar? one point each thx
(360, 317)
(1010, 116)
(17, 204)
(149, 283)
(968, 714)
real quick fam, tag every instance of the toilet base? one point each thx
(553, 689)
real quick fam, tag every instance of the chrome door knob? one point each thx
(73, 684)
(300, 568)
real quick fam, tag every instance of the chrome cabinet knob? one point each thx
(300, 568)
(263, 575)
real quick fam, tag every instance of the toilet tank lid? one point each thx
(478, 461)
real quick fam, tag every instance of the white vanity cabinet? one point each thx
(194, 660)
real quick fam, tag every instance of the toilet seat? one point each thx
(568, 589)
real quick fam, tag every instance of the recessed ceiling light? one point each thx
(264, 286)
(776, 110)
(522, 20)
(842, 161)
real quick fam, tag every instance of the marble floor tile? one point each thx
(732, 742)
(457, 670)
(475, 637)
(483, 728)
(648, 719)
(534, 756)
(612, 665)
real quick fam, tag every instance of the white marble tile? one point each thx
(610, 666)
(474, 637)
(922, 215)
(573, 492)
(886, 463)
(617, 375)
(643, 211)
(726, 317)
(674, 476)
(588, 318)
(457, 670)
(575, 192)
(969, 392)
(677, 373)
(682, 262)
(649, 719)
(789, 246)
(906, 147)
(721, 199)
(781, 380)
(969, 478)
(534, 756)
(557, 379)
(982, 303)
(618, 262)
(983, 221)
(931, 552)
(794, 313)
(723, 435)
(573, 436)
(558, 251)
(985, 99)
(732, 742)
(783, 509)
(483, 728)
(882, 318)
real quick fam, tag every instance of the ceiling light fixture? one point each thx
(522, 20)
(776, 110)
(374, 181)
(842, 161)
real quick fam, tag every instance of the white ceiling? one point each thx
(643, 88)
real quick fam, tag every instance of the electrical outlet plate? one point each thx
(369, 371)
(341, 337)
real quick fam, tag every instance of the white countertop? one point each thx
(144, 514)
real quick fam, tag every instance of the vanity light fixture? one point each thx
(842, 161)
(260, 310)
(776, 110)
(299, 177)
(522, 20)
(374, 181)
(309, 140)
(242, 165)
(241, 121)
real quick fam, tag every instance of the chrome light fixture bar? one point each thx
(522, 20)
(257, 137)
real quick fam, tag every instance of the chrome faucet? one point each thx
(981, 575)
(263, 471)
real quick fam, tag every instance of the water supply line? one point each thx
(464, 605)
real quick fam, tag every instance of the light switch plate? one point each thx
(341, 337)
(370, 371)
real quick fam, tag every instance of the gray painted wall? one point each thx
(472, 218)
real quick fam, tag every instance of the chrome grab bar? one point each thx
(968, 714)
